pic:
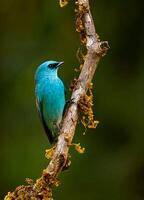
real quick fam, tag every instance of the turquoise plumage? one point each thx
(50, 97)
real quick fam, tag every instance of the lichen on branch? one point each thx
(80, 11)
(63, 3)
(86, 107)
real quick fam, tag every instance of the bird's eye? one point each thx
(53, 65)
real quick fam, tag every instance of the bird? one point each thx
(50, 97)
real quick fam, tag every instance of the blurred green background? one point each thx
(31, 32)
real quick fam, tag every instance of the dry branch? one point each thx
(95, 50)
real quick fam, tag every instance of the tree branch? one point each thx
(95, 50)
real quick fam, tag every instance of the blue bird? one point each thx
(50, 97)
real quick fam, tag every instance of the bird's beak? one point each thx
(60, 63)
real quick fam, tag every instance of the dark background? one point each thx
(33, 31)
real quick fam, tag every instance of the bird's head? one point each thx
(47, 69)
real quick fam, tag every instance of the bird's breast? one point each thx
(53, 99)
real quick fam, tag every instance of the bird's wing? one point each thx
(39, 106)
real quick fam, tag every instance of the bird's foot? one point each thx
(67, 165)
